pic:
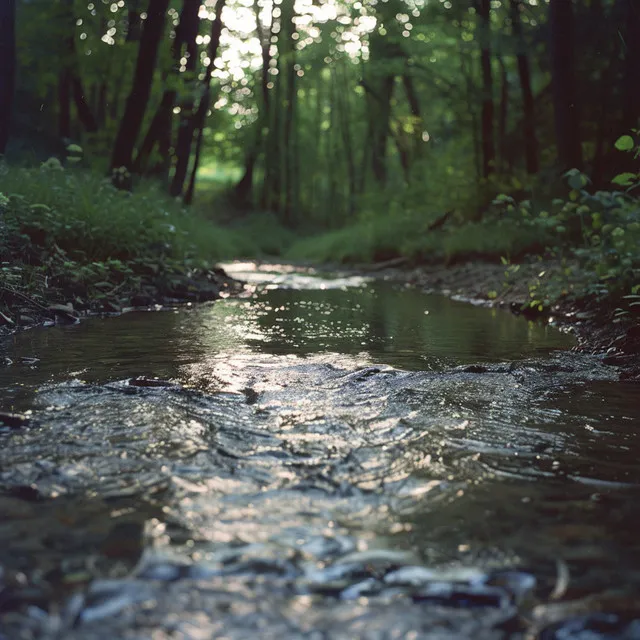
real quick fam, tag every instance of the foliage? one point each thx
(600, 231)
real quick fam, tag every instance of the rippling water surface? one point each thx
(321, 455)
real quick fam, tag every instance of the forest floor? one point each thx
(64, 302)
(593, 321)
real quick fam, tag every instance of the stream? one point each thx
(326, 456)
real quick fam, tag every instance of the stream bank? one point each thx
(595, 322)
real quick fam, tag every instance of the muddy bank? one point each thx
(592, 321)
(67, 302)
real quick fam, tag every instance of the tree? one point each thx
(199, 117)
(565, 98)
(189, 25)
(631, 13)
(7, 67)
(528, 103)
(136, 106)
(483, 8)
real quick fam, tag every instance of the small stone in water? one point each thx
(468, 597)
(413, 576)
(364, 588)
(517, 583)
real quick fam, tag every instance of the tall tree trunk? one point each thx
(528, 104)
(85, 115)
(70, 83)
(290, 110)
(159, 132)
(416, 112)
(134, 23)
(64, 104)
(160, 129)
(503, 113)
(189, 23)
(344, 108)
(7, 68)
(631, 108)
(138, 99)
(488, 147)
(200, 116)
(567, 119)
(271, 188)
(470, 99)
(380, 125)
(242, 191)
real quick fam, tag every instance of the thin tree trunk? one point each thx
(200, 116)
(64, 104)
(345, 127)
(488, 147)
(379, 122)
(528, 104)
(270, 199)
(567, 119)
(631, 97)
(503, 115)
(136, 106)
(134, 23)
(157, 133)
(7, 68)
(473, 114)
(242, 191)
(416, 112)
(189, 22)
(160, 129)
(85, 114)
(290, 100)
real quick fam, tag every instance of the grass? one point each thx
(385, 238)
(81, 213)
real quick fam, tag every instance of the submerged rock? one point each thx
(14, 420)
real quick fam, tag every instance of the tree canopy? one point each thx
(323, 107)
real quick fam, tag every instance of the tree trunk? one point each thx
(7, 68)
(417, 124)
(158, 132)
(380, 123)
(160, 129)
(242, 191)
(271, 188)
(189, 22)
(503, 114)
(199, 118)
(488, 147)
(289, 110)
(567, 119)
(347, 138)
(528, 104)
(85, 114)
(64, 104)
(138, 99)
(631, 96)
(134, 23)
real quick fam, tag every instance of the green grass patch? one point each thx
(84, 215)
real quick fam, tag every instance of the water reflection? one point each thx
(369, 322)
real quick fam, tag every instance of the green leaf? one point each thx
(576, 179)
(625, 179)
(624, 143)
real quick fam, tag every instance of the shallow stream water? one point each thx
(324, 457)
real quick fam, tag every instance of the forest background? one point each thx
(147, 136)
